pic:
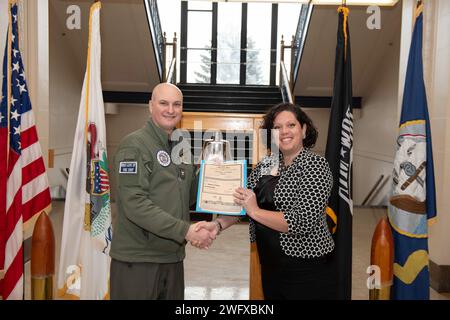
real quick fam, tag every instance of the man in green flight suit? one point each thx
(153, 198)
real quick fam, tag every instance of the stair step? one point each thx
(225, 107)
(208, 87)
(227, 93)
(235, 99)
(229, 98)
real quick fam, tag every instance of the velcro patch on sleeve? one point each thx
(128, 167)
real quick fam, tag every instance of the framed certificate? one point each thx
(217, 183)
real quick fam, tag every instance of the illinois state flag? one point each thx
(339, 153)
(413, 199)
(24, 191)
(84, 262)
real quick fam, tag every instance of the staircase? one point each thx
(229, 98)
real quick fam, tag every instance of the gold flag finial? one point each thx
(419, 8)
(345, 11)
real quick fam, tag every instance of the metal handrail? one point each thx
(388, 178)
(297, 42)
(375, 189)
(284, 84)
(174, 55)
(171, 75)
(154, 23)
(300, 38)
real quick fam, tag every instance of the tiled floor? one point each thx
(222, 272)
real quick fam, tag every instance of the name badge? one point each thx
(128, 167)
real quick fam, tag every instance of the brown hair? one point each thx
(302, 118)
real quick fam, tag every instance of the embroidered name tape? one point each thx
(128, 167)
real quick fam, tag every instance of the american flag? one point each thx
(101, 180)
(24, 190)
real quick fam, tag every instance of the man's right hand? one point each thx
(200, 237)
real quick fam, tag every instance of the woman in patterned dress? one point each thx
(286, 199)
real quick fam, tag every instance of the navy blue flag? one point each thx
(413, 200)
(339, 153)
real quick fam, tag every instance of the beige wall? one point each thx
(375, 131)
(437, 80)
(65, 92)
(375, 127)
(35, 52)
(130, 117)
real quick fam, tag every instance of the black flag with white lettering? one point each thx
(339, 155)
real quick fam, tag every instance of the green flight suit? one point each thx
(153, 198)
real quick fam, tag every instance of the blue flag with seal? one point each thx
(413, 199)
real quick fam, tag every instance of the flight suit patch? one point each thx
(128, 167)
(163, 158)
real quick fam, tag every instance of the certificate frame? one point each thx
(201, 188)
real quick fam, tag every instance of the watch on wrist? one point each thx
(219, 226)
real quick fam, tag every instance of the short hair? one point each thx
(311, 131)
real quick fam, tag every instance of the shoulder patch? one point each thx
(128, 167)
(163, 158)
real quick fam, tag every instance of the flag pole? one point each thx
(88, 75)
(87, 212)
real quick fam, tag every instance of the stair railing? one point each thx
(284, 84)
(171, 75)
(379, 184)
(291, 71)
(375, 186)
(299, 40)
(297, 43)
(151, 7)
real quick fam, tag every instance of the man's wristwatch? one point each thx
(219, 226)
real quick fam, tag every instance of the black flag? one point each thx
(339, 155)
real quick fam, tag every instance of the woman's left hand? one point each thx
(247, 199)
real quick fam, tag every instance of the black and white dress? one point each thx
(294, 265)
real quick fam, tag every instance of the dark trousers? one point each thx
(305, 281)
(146, 281)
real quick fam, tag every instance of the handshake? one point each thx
(203, 233)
